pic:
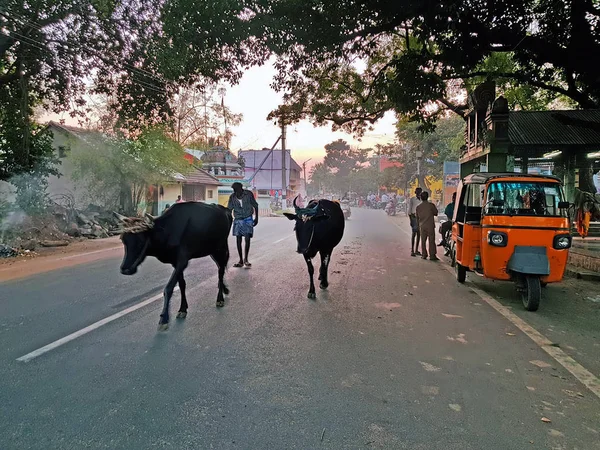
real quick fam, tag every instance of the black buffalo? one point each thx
(319, 228)
(183, 232)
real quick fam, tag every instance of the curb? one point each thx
(582, 274)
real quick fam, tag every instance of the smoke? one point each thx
(11, 220)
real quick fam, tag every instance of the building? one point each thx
(223, 165)
(70, 142)
(262, 169)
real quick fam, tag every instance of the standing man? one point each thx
(426, 213)
(414, 224)
(243, 204)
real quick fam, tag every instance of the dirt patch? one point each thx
(52, 258)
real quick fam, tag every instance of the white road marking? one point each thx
(283, 239)
(40, 351)
(79, 255)
(587, 378)
(62, 341)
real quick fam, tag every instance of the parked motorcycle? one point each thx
(446, 241)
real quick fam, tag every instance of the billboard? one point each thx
(451, 177)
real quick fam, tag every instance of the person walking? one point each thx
(243, 204)
(426, 213)
(414, 224)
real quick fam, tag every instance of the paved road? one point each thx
(394, 355)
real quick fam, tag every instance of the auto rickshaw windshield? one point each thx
(524, 199)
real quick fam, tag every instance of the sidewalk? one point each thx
(49, 259)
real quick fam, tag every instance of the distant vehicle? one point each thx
(345, 204)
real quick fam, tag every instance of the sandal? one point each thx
(238, 265)
(247, 264)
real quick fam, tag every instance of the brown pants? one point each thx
(428, 235)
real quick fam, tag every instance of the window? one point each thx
(62, 151)
(524, 199)
(209, 193)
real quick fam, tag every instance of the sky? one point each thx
(254, 99)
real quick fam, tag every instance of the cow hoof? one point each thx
(312, 295)
(220, 303)
(181, 314)
(163, 326)
(225, 290)
(324, 285)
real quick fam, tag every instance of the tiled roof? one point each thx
(199, 176)
(554, 129)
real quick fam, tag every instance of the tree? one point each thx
(117, 172)
(200, 114)
(441, 145)
(342, 159)
(321, 178)
(414, 54)
(139, 53)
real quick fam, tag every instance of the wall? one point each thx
(65, 185)
(170, 193)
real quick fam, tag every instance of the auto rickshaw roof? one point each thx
(485, 177)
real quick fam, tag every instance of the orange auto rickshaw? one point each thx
(513, 227)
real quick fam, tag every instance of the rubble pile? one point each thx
(60, 226)
(92, 223)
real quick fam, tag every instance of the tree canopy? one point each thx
(350, 61)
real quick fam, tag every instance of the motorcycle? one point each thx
(346, 209)
(390, 209)
(446, 241)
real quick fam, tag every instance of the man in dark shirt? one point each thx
(447, 226)
(243, 205)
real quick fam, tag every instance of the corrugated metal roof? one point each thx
(555, 129)
(199, 176)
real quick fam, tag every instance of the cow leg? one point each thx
(163, 323)
(325, 258)
(221, 258)
(184, 305)
(311, 273)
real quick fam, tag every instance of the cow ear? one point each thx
(291, 216)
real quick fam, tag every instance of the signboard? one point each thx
(451, 179)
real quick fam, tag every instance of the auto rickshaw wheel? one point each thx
(461, 272)
(452, 255)
(532, 293)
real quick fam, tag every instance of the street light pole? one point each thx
(283, 158)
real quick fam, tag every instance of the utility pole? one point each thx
(283, 171)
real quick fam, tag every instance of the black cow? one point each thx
(319, 228)
(183, 232)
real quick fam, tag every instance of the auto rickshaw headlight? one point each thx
(562, 242)
(497, 239)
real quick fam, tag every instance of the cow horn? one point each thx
(294, 203)
(149, 217)
(120, 217)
